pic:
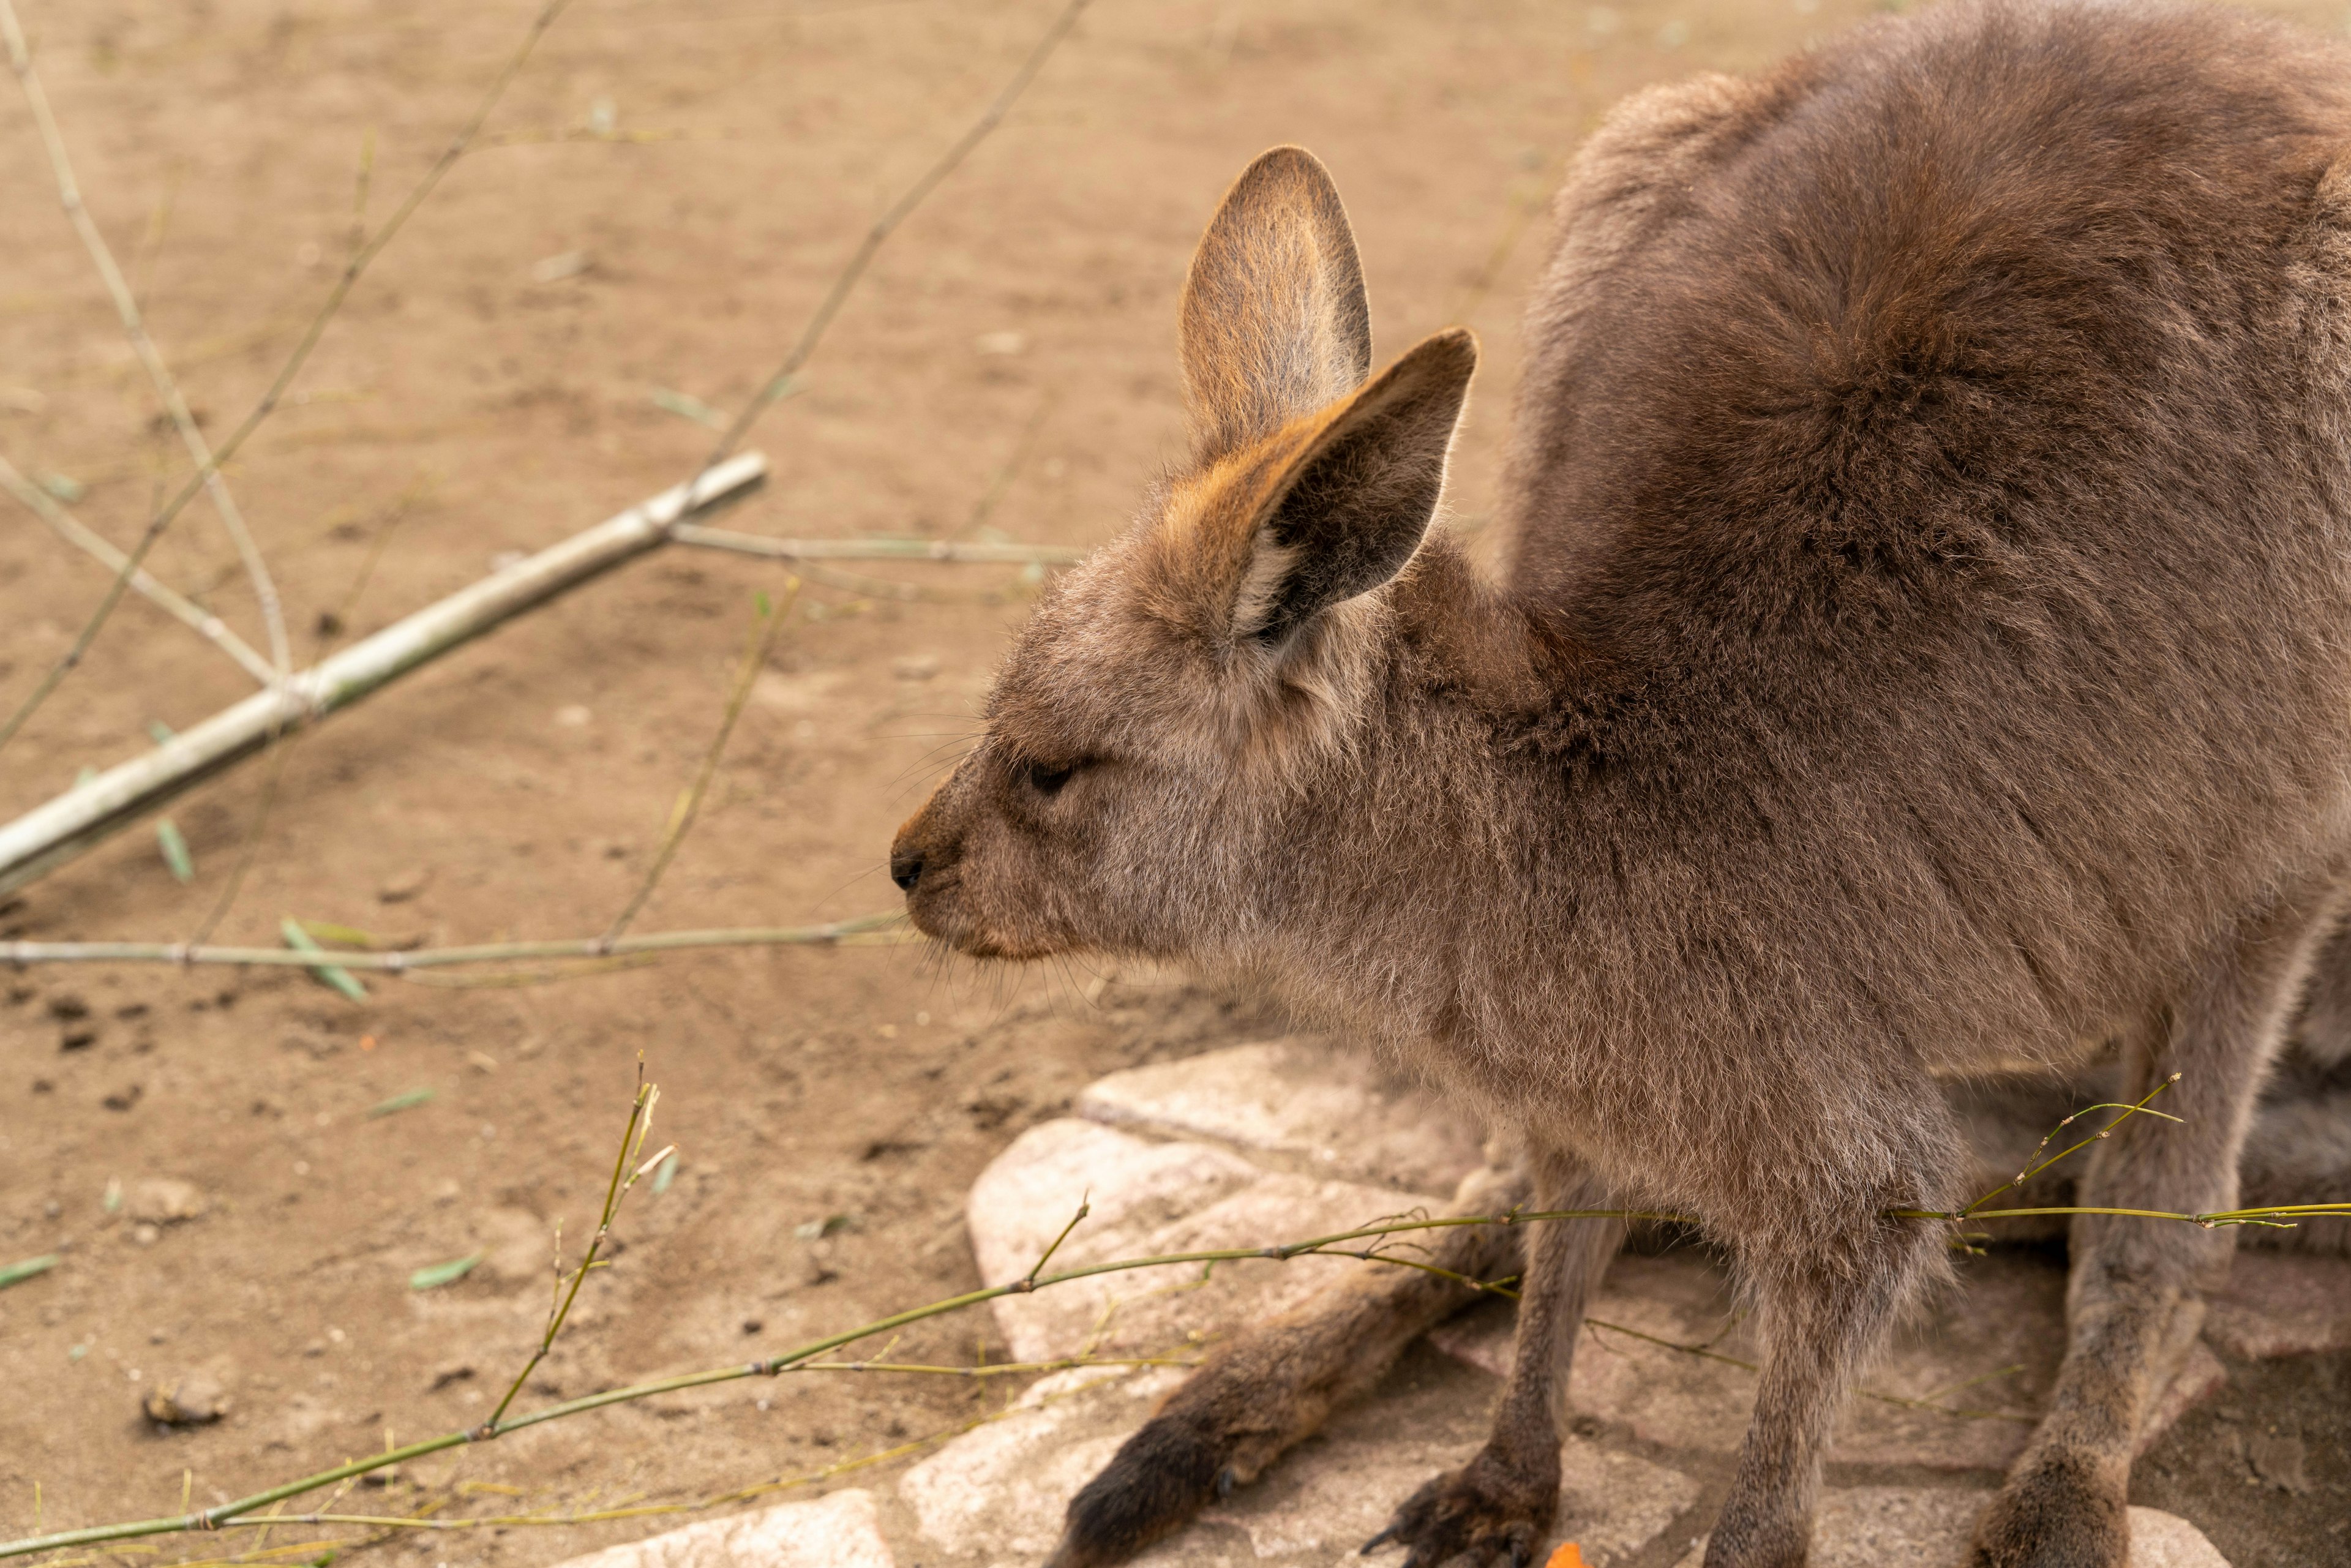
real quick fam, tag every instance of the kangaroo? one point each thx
(1922, 640)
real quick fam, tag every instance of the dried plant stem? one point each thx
(884, 227)
(262, 410)
(143, 345)
(843, 932)
(876, 550)
(626, 1168)
(389, 1523)
(1010, 470)
(71, 529)
(49, 835)
(244, 1511)
(249, 849)
(680, 820)
(2032, 1169)
(1932, 1402)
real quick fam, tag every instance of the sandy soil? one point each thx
(1016, 337)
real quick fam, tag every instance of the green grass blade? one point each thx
(399, 1102)
(329, 975)
(174, 845)
(439, 1274)
(18, 1273)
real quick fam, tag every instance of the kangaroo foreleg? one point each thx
(1274, 1385)
(1499, 1504)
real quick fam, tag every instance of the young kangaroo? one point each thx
(1925, 638)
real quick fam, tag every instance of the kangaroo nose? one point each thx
(905, 866)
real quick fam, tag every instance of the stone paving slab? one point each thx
(1893, 1527)
(2282, 1304)
(1301, 1098)
(999, 1491)
(2008, 1315)
(842, 1531)
(996, 1494)
(1147, 1199)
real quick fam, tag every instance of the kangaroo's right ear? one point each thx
(1274, 322)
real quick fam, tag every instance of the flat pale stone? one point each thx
(1147, 1199)
(2200, 1377)
(1896, 1527)
(2282, 1304)
(2008, 1313)
(840, 1532)
(1330, 1498)
(1001, 1488)
(1301, 1098)
(999, 1491)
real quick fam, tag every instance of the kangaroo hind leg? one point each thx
(2135, 1300)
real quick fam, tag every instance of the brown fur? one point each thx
(1921, 645)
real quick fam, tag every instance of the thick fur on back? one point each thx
(1929, 526)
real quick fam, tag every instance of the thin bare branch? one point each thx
(292, 368)
(680, 821)
(867, 929)
(135, 327)
(71, 529)
(887, 223)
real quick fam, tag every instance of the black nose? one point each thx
(905, 867)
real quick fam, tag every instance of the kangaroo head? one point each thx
(1177, 694)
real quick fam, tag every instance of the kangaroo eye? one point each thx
(1048, 780)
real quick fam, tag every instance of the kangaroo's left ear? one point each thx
(1349, 508)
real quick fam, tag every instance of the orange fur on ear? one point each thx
(1274, 322)
(1351, 507)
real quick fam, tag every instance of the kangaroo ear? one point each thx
(1351, 507)
(1274, 322)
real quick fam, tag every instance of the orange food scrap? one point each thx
(367, 1042)
(1567, 1556)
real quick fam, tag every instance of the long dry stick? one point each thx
(286, 374)
(887, 223)
(50, 834)
(839, 932)
(87, 540)
(874, 548)
(680, 820)
(135, 327)
(249, 848)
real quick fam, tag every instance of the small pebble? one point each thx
(404, 886)
(194, 1400)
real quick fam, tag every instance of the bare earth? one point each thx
(658, 202)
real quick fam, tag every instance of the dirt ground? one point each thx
(657, 207)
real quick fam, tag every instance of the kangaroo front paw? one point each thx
(1494, 1510)
(2058, 1513)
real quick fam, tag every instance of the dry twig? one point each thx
(292, 368)
(71, 529)
(884, 227)
(680, 818)
(135, 327)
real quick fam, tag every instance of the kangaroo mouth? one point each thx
(937, 913)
